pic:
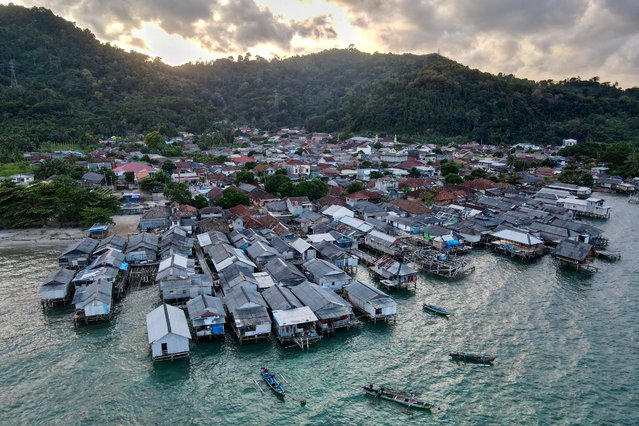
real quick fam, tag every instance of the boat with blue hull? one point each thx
(435, 310)
(272, 382)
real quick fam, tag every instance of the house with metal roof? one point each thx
(233, 276)
(57, 287)
(297, 325)
(115, 242)
(280, 298)
(337, 256)
(326, 274)
(395, 271)
(284, 273)
(78, 254)
(175, 241)
(207, 316)
(373, 302)
(142, 248)
(382, 242)
(156, 218)
(261, 253)
(168, 333)
(88, 276)
(575, 254)
(211, 237)
(112, 258)
(517, 243)
(264, 280)
(332, 311)
(93, 302)
(224, 255)
(249, 317)
(302, 250)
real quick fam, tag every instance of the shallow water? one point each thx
(566, 345)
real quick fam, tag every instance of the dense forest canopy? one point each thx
(72, 88)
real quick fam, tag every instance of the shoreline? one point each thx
(39, 237)
(57, 237)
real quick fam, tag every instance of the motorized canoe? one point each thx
(272, 382)
(434, 309)
(404, 398)
(481, 359)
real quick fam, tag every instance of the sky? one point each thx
(536, 39)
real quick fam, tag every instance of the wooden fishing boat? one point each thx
(434, 309)
(481, 359)
(404, 398)
(272, 383)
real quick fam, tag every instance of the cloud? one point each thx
(225, 26)
(530, 38)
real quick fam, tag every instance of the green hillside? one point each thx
(72, 89)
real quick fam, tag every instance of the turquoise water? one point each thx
(567, 347)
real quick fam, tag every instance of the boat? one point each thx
(481, 359)
(405, 398)
(434, 309)
(272, 382)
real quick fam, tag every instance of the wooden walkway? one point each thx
(366, 257)
(199, 254)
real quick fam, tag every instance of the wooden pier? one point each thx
(142, 275)
(439, 263)
(369, 259)
(608, 255)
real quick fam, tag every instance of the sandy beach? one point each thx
(43, 237)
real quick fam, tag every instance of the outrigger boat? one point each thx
(480, 359)
(434, 309)
(272, 382)
(405, 398)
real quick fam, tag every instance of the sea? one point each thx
(567, 348)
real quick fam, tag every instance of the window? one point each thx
(165, 348)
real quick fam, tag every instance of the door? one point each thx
(165, 349)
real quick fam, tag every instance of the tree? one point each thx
(154, 141)
(273, 183)
(453, 178)
(129, 177)
(414, 172)
(281, 172)
(199, 201)
(245, 177)
(449, 167)
(478, 173)
(232, 197)
(313, 189)
(100, 215)
(109, 176)
(177, 192)
(355, 187)
(427, 197)
(168, 166)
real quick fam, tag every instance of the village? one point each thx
(281, 264)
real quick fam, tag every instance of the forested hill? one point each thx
(73, 88)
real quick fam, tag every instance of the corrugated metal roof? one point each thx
(242, 298)
(358, 224)
(166, 319)
(101, 290)
(177, 260)
(520, 237)
(203, 306)
(144, 239)
(295, 316)
(86, 245)
(319, 268)
(574, 250)
(324, 303)
(61, 276)
(382, 237)
(300, 245)
(281, 298)
(282, 271)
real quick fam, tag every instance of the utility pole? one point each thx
(12, 69)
